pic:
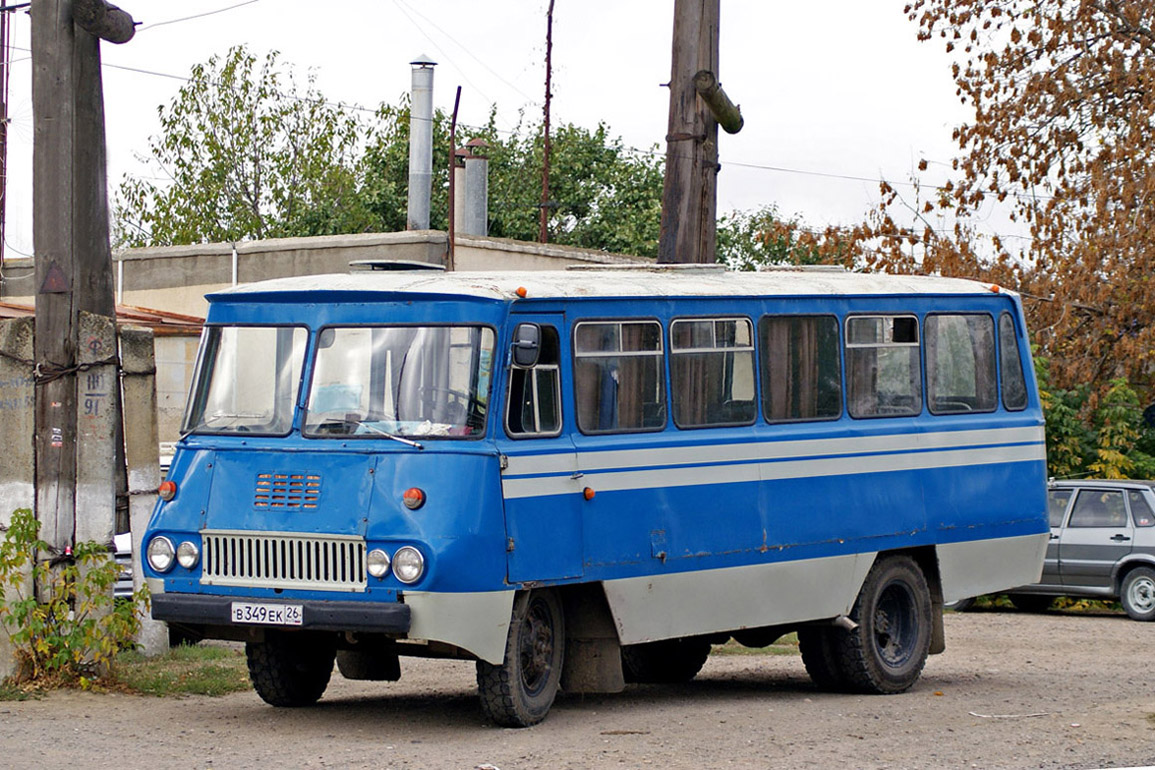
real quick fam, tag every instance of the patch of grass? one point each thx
(787, 645)
(186, 670)
(10, 691)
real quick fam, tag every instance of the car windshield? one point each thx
(427, 381)
(247, 380)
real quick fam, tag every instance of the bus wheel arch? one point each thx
(520, 690)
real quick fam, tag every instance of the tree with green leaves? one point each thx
(604, 196)
(749, 240)
(244, 153)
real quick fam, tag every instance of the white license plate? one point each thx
(267, 614)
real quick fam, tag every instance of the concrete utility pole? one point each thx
(690, 192)
(77, 388)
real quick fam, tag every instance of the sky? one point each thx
(835, 94)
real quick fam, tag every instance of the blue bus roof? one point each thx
(605, 282)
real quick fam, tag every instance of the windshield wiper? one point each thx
(374, 429)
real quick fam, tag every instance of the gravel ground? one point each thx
(1012, 690)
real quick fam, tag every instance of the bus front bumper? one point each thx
(366, 617)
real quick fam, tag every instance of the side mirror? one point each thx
(526, 345)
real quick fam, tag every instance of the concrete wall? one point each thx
(176, 278)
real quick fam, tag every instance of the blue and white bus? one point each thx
(584, 478)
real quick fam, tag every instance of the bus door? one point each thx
(540, 483)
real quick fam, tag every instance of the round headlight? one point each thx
(160, 554)
(187, 555)
(408, 564)
(377, 562)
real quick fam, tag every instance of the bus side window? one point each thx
(801, 374)
(712, 372)
(533, 407)
(883, 366)
(960, 363)
(1011, 364)
(619, 380)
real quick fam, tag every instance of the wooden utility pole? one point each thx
(543, 229)
(5, 69)
(75, 370)
(690, 192)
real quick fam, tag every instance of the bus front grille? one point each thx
(332, 563)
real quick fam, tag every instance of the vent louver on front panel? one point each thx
(266, 560)
(287, 491)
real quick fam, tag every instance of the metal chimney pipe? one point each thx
(420, 143)
(475, 217)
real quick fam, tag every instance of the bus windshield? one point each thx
(430, 381)
(247, 380)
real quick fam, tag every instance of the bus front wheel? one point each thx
(520, 691)
(290, 669)
(885, 653)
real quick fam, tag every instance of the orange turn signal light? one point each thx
(413, 498)
(521, 292)
(588, 493)
(167, 490)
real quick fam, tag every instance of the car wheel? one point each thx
(1138, 594)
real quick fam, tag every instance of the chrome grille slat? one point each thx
(283, 560)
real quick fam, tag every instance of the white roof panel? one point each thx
(646, 281)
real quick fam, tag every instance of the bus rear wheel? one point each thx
(819, 655)
(291, 669)
(887, 649)
(520, 691)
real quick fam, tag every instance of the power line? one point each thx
(402, 6)
(196, 16)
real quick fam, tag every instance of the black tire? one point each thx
(886, 652)
(1031, 602)
(291, 669)
(520, 691)
(962, 605)
(1138, 594)
(670, 661)
(817, 645)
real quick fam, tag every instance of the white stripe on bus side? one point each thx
(525, 465)
(719, 472)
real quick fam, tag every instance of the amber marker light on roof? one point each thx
(167, 490)
(521, 292)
